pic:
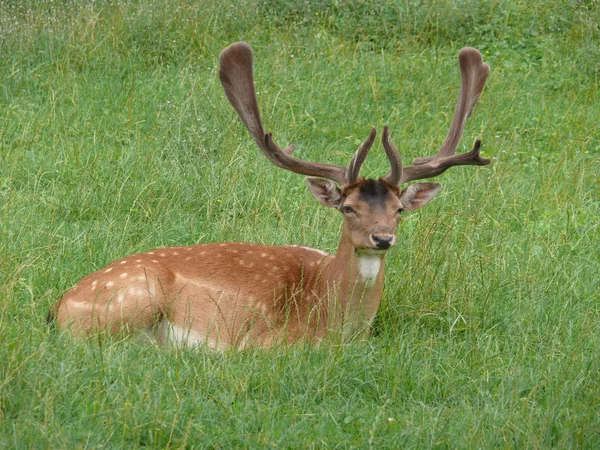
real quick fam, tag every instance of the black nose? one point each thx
(383, 241)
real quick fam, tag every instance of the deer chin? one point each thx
(368, 251)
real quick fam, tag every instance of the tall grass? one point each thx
(115, 137)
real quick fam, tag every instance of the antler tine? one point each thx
(359, 157)
(438, 166)
(394, 176)
(236, 77)
(235, 73)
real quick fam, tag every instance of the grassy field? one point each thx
(115, 138)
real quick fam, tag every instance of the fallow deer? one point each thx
(239, 294)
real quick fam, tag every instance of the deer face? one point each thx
(371, 212)
(372, 208)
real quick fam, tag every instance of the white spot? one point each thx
(175, 253)
(151, 253)
(138, 260)
(244, 342)
(369, 266)
(179, 336)
(188, 249)
(154, 261)
(320, 252)
(202, 253)
(188, 258)
(108, 270)
(163, 254)
(123, 275)
(263, 254)
(109, 284)
(222, 245)
(77, 304)
(120, 298)
(123, 262)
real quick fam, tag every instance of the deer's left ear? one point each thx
(419, 194)
(325, 191)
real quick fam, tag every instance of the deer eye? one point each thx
(348, 209)
(400, 211)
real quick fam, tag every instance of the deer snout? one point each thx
(383, 241)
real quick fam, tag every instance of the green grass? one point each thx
(115, 137)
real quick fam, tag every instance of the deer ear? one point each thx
(325, 191)
(419, 194)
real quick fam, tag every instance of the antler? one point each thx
(474, 74)
(237, 80)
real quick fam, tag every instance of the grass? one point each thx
(115, 137)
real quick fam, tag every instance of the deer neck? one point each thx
(356, 279)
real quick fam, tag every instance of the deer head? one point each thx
(371, 208)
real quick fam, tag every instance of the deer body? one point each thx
(228, 295)
(219, 294)
(238, 294)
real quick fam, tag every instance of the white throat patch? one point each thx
(369, 266)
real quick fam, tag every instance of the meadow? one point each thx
(116, 138)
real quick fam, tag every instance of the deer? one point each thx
(237, 295)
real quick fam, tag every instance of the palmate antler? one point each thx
(236, 76)
(473, 74)
(237, 79)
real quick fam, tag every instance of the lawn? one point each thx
(116, 138)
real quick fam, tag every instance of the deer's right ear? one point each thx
(325, 191)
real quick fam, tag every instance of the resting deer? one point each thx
(238, 294)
